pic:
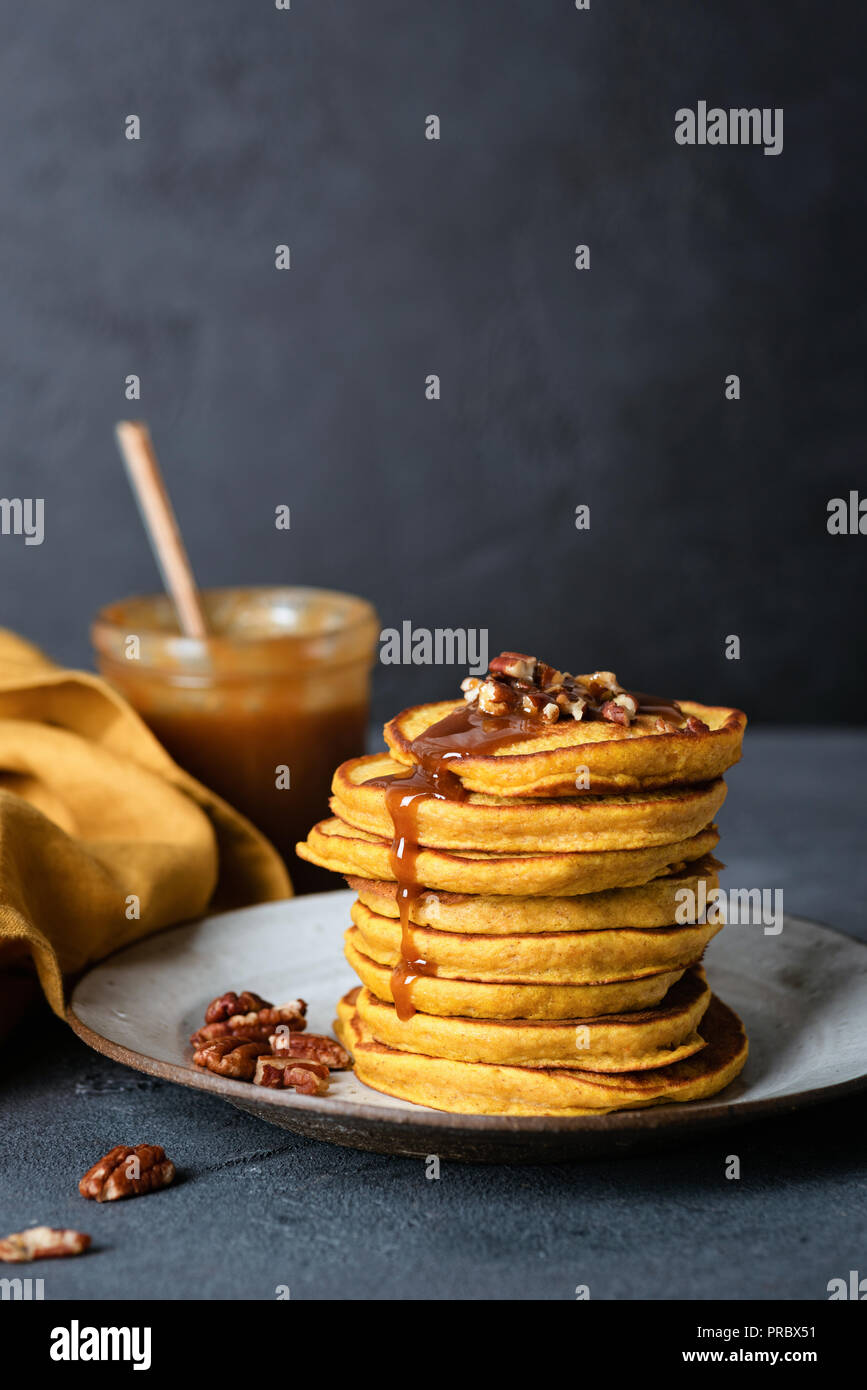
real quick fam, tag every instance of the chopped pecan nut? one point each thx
(615, 714)
(494, 697)
(694, 725)
(516, 682)
(533, 701)
(42, 1243)
(516, 664)
(627, 702)
(285, 1073)
(519, 682)
(603, 685)
(230, 1004)
(128, 1171)
(571, 704)
(255, 1026)
(311, 1047)
(547, 677)
(231, 1057)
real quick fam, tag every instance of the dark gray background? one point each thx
(409, 257)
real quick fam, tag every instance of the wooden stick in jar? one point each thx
(143, 470)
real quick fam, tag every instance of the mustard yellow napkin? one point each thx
(103, 838)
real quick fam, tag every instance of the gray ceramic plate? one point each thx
(802, 995)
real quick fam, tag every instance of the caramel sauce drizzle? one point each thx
(462, 734)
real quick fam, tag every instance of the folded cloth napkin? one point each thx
(103, 838)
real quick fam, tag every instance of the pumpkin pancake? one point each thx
(653, 904)
(587, 822)
(335, 845)
(477, 1088)
(483, 999)
(618, 1042)
(540, 958)
(618, 758)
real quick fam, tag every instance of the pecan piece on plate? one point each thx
(227, 1005)
(256, 1025)
(311, 1047)
(42, 1243)
(128, 1171)
(234, 1057)
(289, 1074)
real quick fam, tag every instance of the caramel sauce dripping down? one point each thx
(402, 797)
(463, 733)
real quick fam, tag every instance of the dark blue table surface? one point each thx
(256, 1208)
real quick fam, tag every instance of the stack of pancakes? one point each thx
(525, 948)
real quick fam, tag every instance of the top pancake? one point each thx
(618, 758)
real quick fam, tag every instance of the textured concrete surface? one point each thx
(255, 1208)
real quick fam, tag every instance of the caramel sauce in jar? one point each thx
(281, 681)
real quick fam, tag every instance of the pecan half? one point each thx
(230, 1004)
(235, 1057)
(311, 1047)
(42, 1243)
(287, 1074)
(255, 1026)
(128, 1171)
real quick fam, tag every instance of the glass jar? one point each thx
(264, 708)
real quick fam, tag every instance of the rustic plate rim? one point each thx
(693, 1115)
